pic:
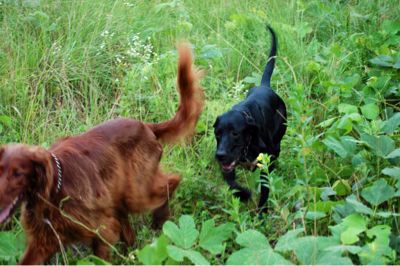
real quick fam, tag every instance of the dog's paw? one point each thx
(243, 194)
(262, 213)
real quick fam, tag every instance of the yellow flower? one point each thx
(260, 165)
(260, 157)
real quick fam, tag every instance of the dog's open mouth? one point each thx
(228, 167)
(7, 211)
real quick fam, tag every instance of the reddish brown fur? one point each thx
(191, 101)
(108, 172)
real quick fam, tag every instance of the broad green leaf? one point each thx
(284, 242)
(382, 60)
(381, 145)
(392, 124)
(358, 206)
(183, 236)
(256, 251)
(211, 237)
(345, 108)
(327, 122)
(315, 215)
(387, 214)
(397, 64)
(179, 254)
(341, 187)
(380, 234)
(393, 154)
(345, 123)
(336, 146)
(349, 143)
(391, 27)
(155, 253)
(370, 111)
(12, 246)
(323, 206)
(379, 192)
(326, 192)
(248, 256)
(349, 229)
(308, 249)
(392, 171)
(342, 248)
(355, 117)
(344, 147)
(332, 258)
(377, 251)
(253, 239)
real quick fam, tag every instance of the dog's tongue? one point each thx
(5, 213)
(228, 167)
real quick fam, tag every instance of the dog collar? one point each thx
(59, 172)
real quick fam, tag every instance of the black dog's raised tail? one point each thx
(269, 68)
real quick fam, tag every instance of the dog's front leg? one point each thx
(242, 193)
(100, 249)
(264, 193)
(160, 215)
(38, 253)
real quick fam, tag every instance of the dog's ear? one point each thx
(42, 178)
(216, 122)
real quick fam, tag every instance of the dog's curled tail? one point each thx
(269, 68)
(191, 101)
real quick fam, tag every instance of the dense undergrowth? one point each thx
(66, 66)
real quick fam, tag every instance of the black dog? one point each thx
(253, 126)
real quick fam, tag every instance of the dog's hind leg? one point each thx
(155, 197)
(242, 193)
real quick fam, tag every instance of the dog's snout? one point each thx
(221, 155)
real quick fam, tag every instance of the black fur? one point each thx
(253, 126)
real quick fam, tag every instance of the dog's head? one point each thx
(236, 133)
(24, 171)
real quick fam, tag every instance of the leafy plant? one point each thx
(185, 241)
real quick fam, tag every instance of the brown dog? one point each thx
(83, 188)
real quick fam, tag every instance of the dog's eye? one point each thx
(234, 134)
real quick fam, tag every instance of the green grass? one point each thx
(66, 66)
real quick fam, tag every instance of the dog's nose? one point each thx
(221, 156)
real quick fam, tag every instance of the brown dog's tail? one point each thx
(190, 104)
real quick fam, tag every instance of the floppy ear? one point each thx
(216, 122)
(42, 178)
